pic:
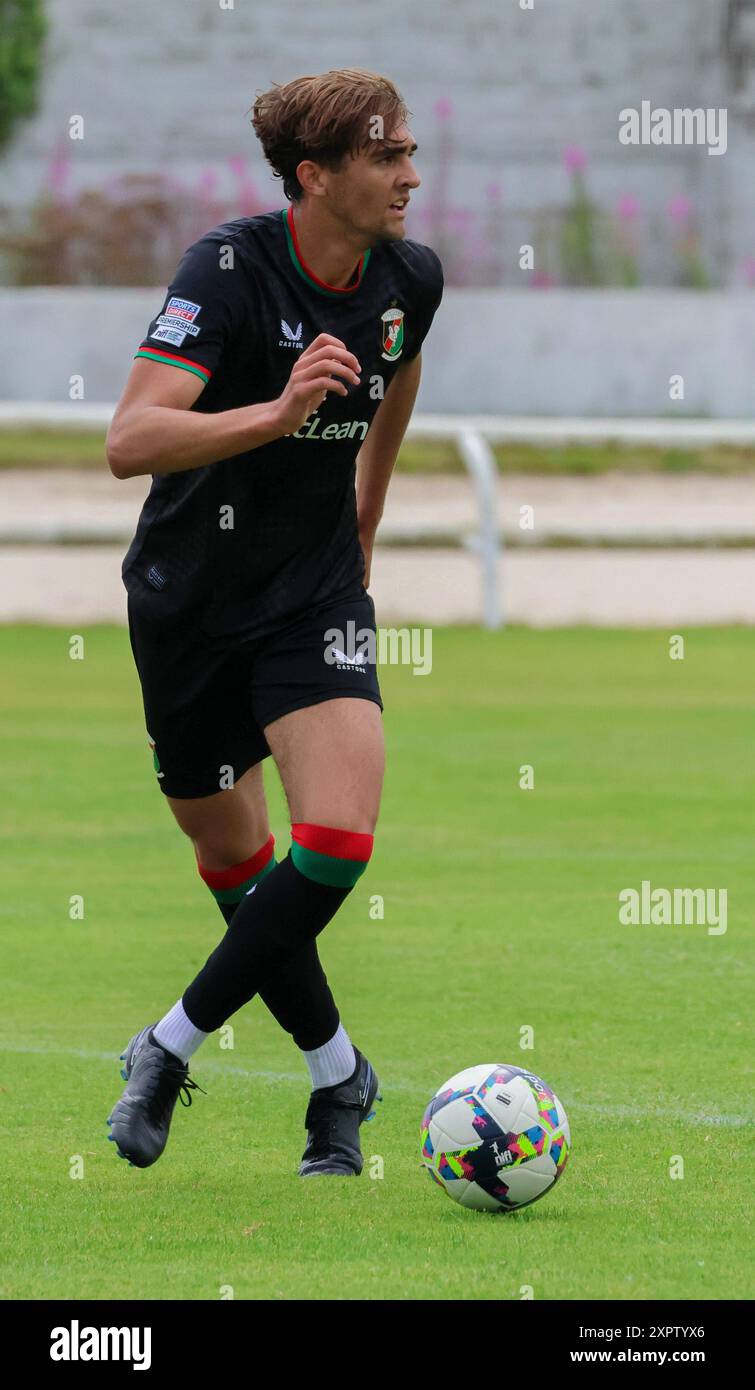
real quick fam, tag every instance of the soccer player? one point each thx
(268, 400)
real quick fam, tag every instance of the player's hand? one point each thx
(326, 365)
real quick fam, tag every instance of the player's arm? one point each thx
(154, 429)
(379, 452)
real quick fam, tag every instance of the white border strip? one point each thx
(77, 415)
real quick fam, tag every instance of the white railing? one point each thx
(473, 436)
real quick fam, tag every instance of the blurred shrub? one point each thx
(576, 243)
(579, 228)
(132, 232)
(22, 30)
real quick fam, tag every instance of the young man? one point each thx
(269, 399)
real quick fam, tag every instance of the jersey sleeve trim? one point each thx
(171, 360)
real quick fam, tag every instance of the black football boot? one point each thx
(333, 1117)
(140, 1119)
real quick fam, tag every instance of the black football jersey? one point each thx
(251, 542)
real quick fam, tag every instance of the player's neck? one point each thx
(325, 248)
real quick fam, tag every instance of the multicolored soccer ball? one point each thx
(495, 1137)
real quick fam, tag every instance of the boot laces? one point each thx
(188, 1086)
(165, 1082)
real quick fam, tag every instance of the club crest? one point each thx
(392, 333)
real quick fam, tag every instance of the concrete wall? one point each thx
(570, 353)
(168, 86)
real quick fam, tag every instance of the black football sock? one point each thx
(300, 999)
(297, 994)
(287, 909)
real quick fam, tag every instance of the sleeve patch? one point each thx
(176, 321)
(165, 334)
(182, 309)
(178, 325)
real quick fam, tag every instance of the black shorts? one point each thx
(206, 709)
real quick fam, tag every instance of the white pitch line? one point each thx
(609, 1112)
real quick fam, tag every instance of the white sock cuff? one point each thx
(333, 1062)
(177, 1034)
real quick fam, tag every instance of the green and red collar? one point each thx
(332, 291)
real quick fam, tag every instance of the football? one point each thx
(495, 1137)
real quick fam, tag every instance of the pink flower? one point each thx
(207, 180)
(679, 208)
(541, 280)
(627, 207)
(459, 219)
(474, 249)
(575, 159)
(247, 199)
(113, 187)
(172, 183)
(58, 172)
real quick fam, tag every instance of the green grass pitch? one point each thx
(500, 911)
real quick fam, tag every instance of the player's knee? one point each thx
(229, 879)
(216, 853)
(224, 846)
(331, 856)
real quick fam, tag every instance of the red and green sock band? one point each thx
(334, 857)
(231, 885)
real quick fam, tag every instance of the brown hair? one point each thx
(323, 118)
